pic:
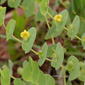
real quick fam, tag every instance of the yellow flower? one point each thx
(58, 18)
(25, 35)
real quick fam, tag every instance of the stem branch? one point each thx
(75, 36)
(16, 39)
(35, 52)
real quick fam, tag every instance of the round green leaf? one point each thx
(31, 73)
(57, 27)
(44, 7)
(10, 29)
(73, 67)
(27, 44)
(74, 28)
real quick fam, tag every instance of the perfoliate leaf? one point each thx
(2, 15)
(14, 3)
(29, 7)
(31, 73)
(57, 27)
(30, 68)
(51, 50)
(73, 67)
(10, 29)
(43, 54)
(58, 56)
(44, 7)
(5, 76)
(27, 44)
(74, 28)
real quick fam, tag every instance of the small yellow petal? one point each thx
(58, 18)
(25, 35)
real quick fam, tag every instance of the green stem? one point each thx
(50, 15)
(53, 41)
(16, 39)
(47, 22)
(38, 55)
(66, 28)
(75, 36)
(13, 77)
(35, 52)
(4, 25)
(63, 73)
(78, 37)
(49, 59)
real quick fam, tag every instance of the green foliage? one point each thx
(82, 72)
(31, 68)
(2, 1)
(44, 7)
(2, 15)
(73, 67)
(14, 3)
(57, 28)
(18, 82)
(74, 28)
(51, 50)
(83, 40)
(5, 76)
(40, 15)
(82, 23)
(58, 56)
(27, 44)
(43, 54)
(38, 1)
(10, 29)
(29, 7)
(69, 83)
(77, 7)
